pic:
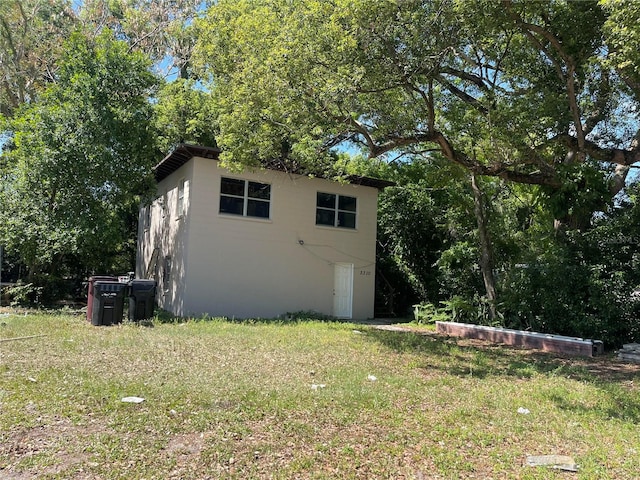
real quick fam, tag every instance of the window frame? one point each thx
(146, 217)
(180, 195)
(166, 272)
(247, 199)
(336, 211)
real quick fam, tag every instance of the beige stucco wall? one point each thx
(242, 267)
(163, 238)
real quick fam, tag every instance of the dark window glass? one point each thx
(232, 186)
(331, 208)
(166, 272)
(254, 202)
(180, 202)
(325, 217)
(259, 190)
(346, 220)
(347, 203)
(231, 205)
(258, 208)
(326, 200)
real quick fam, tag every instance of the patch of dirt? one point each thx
(185, 446)
(56, 440)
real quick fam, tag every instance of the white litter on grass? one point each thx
(316, 386)
(31, 379)
(558, 462)
(132, 400)
(357, 332)
(523, 411)
(372, 378)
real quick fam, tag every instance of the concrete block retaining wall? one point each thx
(534, 340)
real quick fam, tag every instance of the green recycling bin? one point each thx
(107, 305)
(142, 298)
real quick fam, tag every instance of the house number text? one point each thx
(365, 272)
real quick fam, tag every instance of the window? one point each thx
(166, 273)
(336, 210)
(245, 198)
(180, 200)
(164, 206)
(146, 218)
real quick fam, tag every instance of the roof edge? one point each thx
(180, 155)
(184, 152)
(369, 181)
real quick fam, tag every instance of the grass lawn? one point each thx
(268, 400)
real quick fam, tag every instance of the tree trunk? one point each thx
(32, 271)
(486, 251)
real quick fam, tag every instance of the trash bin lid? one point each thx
(102, 278)
(141, 284)
(109, 286)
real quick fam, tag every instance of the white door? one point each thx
(343, 290)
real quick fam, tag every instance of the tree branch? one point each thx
(600, 104)
(633, 85)
(362, 130)
(464, 96)
(524, 27)
(431, 118)
(500, 170)
(462, 75)
(401, 142)
(616, 156)
(568, 78)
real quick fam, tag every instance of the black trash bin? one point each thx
(108, 302)
(142, 297)
(90, 292)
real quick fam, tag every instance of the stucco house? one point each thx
(259, 243)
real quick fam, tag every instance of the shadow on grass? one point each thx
(455, 356)
(621, 405)
(478, 359)
(465, 358)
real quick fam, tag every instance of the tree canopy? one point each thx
(524, 91)
(158, 28)
(79, 156)
(31, 38)
(83, 117)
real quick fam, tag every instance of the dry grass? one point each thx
(235, 400)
